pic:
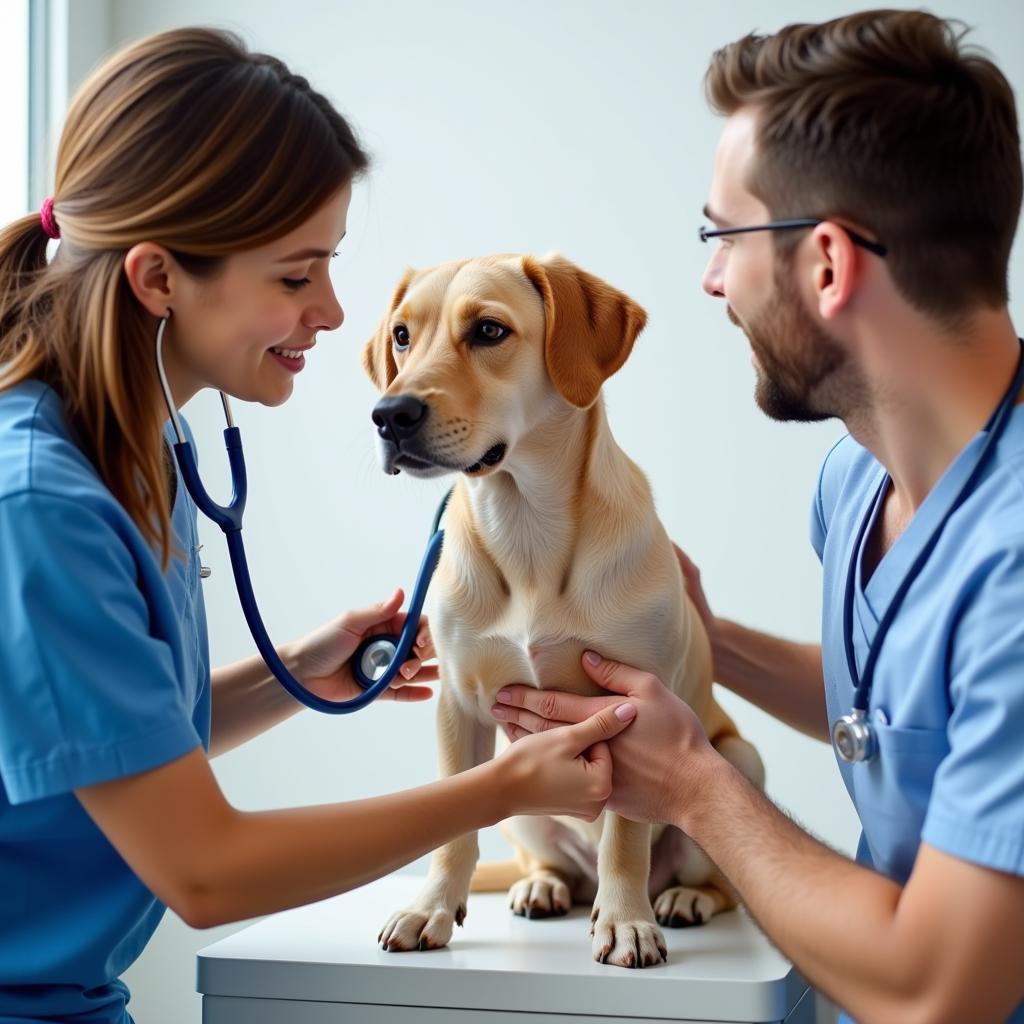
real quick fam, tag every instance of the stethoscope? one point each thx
(378, 658)
(853, 736)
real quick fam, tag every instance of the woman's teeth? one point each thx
(288, 353)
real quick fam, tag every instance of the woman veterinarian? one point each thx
(199, 181)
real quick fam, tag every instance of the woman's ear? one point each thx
(151, 270)
(589, 327)
(378, 356)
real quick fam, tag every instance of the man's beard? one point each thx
(798, 379)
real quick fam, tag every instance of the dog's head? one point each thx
(473, 355)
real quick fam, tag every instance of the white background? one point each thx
(570, 125)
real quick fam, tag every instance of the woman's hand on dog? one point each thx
(653, 761)
(567, 770)
(321, 659)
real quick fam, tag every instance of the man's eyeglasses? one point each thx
(791, 225)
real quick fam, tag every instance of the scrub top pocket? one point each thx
(892, 793)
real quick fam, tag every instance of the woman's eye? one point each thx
(401, 337)
(295, 283)
(490, 332)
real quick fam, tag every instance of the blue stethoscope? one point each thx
(853, 737)
(378, 658)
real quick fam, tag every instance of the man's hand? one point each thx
(695, 591)
(321, 659)
(654, 761)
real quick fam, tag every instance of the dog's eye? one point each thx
(400, 333)
(490, 332)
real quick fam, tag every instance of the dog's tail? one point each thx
(496, 876)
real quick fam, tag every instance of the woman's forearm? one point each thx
(246, 701)
(274, 860)
(779, 676)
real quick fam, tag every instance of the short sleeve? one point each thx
(87, 691)
(976, 810)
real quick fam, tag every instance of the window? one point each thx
(14, 72)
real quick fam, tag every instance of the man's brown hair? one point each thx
(886, 119)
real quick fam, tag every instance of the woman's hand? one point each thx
(654, 761)
(564, 771)
(321, 659)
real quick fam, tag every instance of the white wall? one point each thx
(576, 125)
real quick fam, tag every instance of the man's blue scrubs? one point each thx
(104, 672)
(947, 703)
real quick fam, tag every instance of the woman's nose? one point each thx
(326, 315)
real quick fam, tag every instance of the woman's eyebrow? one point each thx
(305, 254)
(310, 254)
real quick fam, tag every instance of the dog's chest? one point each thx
(533, 636)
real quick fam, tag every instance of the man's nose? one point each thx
(400, 417)
(712, 280)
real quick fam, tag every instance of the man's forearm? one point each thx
(781, 677)
(835, 919)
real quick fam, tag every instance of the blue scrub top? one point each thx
(104, 672)
(947, 702)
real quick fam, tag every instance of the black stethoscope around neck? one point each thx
(853, 736)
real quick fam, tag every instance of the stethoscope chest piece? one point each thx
(853, 738)
(373, 659)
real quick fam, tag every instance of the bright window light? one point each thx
(14, 111)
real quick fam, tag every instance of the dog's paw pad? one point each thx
(540, 895)
(628, 943)
(417, 929)
(682, 907)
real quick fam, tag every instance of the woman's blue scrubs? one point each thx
(104, 672)
(947, 703)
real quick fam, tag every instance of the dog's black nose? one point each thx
(400, 417)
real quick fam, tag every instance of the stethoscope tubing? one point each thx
(229, 519)
(863, 681)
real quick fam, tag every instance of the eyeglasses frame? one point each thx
(793, 224)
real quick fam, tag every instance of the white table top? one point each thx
(725, 970)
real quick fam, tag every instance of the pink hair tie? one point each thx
(47, 219)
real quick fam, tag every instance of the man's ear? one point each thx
(378, 354)
(590, 327)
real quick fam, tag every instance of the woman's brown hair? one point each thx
(887, 119)
(187, 139)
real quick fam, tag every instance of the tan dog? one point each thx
(492, 368)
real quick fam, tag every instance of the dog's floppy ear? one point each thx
(590, 327)
(378, 355)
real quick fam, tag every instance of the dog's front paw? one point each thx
(682, 907)
(540, 894)
(626, 940)
(420, 928)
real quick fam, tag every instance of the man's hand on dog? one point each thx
(321, 659)
(652, 760)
